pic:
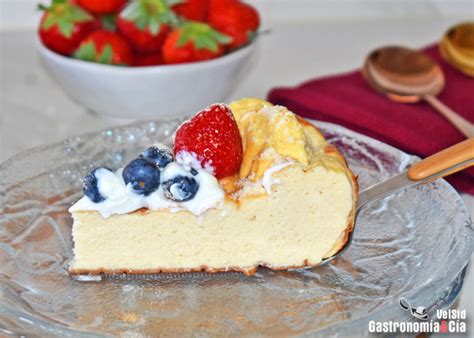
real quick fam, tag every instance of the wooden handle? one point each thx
(444, 163)
(463, 125)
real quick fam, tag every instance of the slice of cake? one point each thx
(245, 185)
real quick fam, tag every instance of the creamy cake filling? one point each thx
(299, 224)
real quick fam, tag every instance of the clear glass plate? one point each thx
(413, 244)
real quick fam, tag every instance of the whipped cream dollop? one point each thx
(121, 199)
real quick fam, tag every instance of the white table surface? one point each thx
(35, 111)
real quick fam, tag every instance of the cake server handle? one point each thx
(448, 161)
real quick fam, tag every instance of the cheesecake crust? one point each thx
(248, 271)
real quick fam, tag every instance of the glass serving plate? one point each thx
(414, 244)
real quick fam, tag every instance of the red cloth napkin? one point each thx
(415, 128)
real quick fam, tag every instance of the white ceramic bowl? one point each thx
(148, 92)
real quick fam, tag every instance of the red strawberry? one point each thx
(63, 26)
(102, 6)
(250, 17)
(105, 47)
(143, 60)
(193, 41)
(214, 137)
(234, 18)
(145, 24)
(195, 10)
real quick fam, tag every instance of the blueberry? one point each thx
(180, 188)
(90, 187)
(143, 175)
(161, 155)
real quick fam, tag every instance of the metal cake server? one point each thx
(446, 162)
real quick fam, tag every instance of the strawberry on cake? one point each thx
(245, 185)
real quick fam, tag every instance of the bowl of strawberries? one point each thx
(146, 59)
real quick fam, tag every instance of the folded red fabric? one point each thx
(348, 100)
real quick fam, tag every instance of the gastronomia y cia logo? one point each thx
(446, 321)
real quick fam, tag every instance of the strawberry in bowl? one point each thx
(194, 41)
(236, 19)
(105, 47)
(195, 10)
(146, 23)
(103, 6)
(64, 25)
(146, 60)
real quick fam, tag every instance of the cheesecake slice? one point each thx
(290, 204)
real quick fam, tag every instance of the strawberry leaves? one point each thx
(106, 55)
(109, 22)
(151, 14)
(202, 35)
(88, 52)
(64, 15)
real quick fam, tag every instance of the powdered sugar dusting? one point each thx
(192, 160)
